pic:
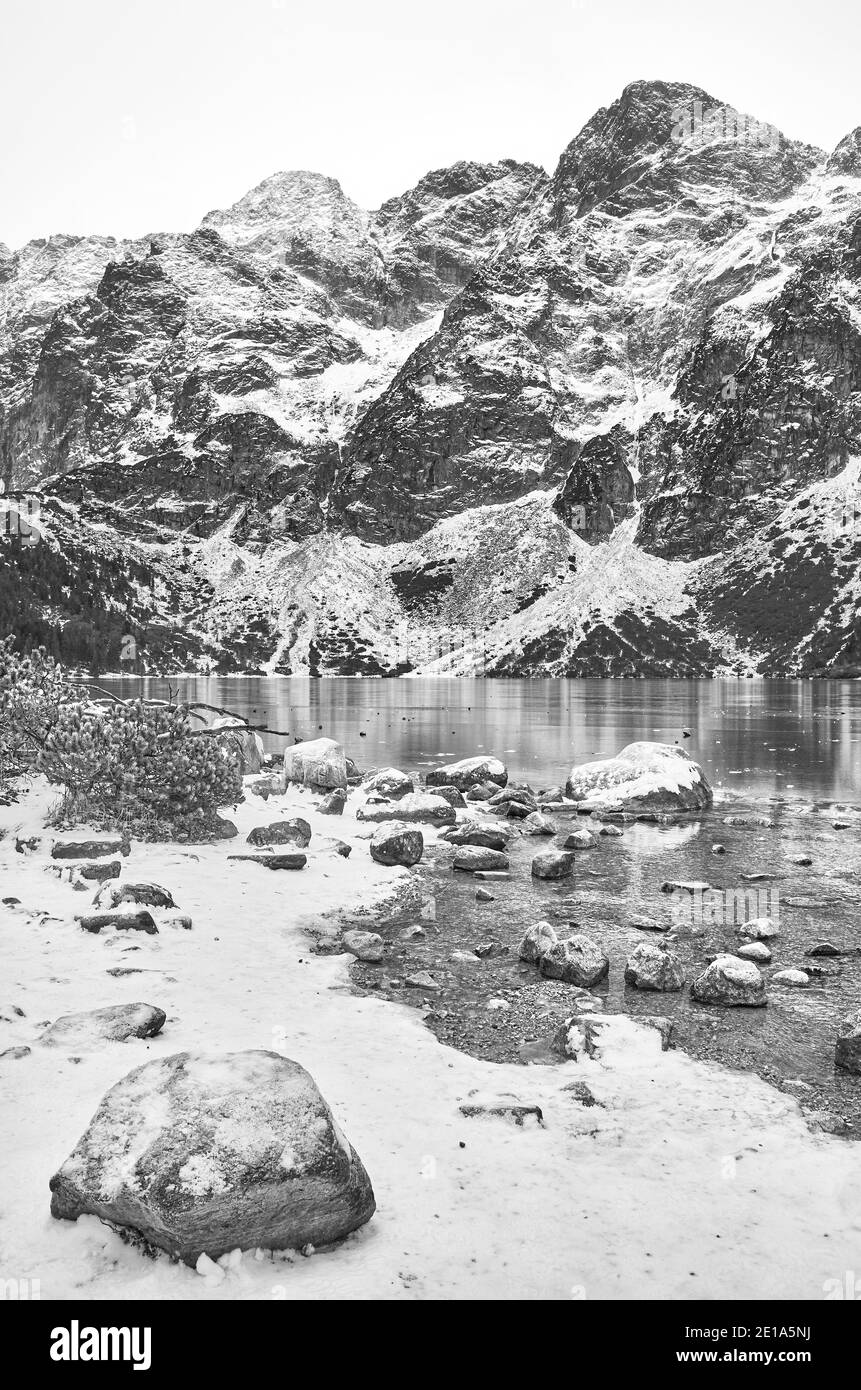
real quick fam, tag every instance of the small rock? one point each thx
(553, 863)
(333, 803)
(537, 942)
(390, 783)
(141, 894)
(718, 849)
(482, 895)
(758, 929)
(423, 980)
(577, 961)
(803, 860)
(793, 978)
(281, 832)
(537, 824)
(15, 1054)
(579, 839)
(612, 831)
(654, 968)
(823, 948)
(469, 858)
(88, 849)
(364, 945)
(755, 950)
(847, 1051)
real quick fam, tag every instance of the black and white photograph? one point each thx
(430, 667)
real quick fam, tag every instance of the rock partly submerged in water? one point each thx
(471, 858)
(469, 773)
(730, 981)
(847, 1050)
(576, 961)
(537, 941)
(201, 1155)
(553, 863)
(654, 968)
(472, 832)
(397, 843)
(642, 777)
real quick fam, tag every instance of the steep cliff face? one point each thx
(590, 423)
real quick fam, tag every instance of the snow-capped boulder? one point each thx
(472, 832)
(471, 859)
(111, 895)
(482, 791)
(468, 773)
(295, 831)
(755, 950)
(652, 967)
(96, 922)
(793, 979)
(390, 782)
(577, 961)
(113, 1024)
(642, 777)
(420, 807)
(88, 849)
(579, 839)
(553, 863)
(201, 1155)
(249, 744)
(731, 981)
(537, 942)
(397, 843)
(321, 762)
(847, 1050)
(758, 929)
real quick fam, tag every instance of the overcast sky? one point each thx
(129, 116)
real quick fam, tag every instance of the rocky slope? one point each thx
(606, 422)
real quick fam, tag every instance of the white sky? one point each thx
(128, 116)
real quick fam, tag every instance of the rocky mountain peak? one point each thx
(845, 158)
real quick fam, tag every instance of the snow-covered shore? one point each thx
(685, 1181)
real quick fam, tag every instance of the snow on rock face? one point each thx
(576, 961)
(320, 762)
(397, 843)
(113, 1024)
(414, 806)
(390, 782)
(642, 777)
(200, 1155)
(650, 967)
(249, 744)
(469, 773)
(294, 831)
(731, 981)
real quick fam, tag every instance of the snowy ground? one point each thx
(690, 1182)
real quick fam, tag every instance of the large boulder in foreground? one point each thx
(321, 762)
(847, 1051)
(731, 981)
(468, 773)
(642, 777)
(397, 843)
(206, 1154)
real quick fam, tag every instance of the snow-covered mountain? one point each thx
(606, 422)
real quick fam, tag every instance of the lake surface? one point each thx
(786, 753)
(763, 738)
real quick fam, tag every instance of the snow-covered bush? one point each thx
(131, 766)
(140, 767)
(33, 689)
